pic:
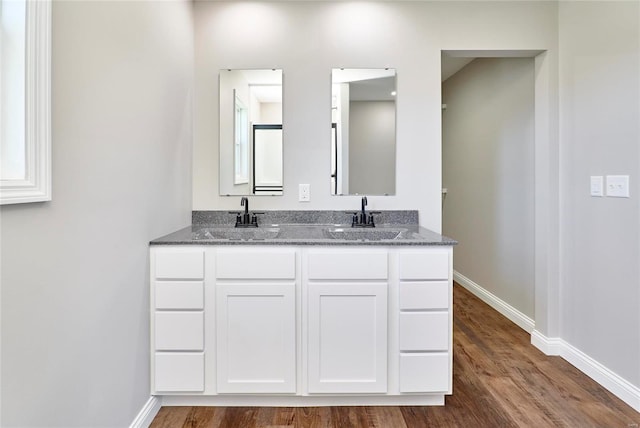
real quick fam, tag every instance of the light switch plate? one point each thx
(304, 192)
(597, 185)
(618, 186)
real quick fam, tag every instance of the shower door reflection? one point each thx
(267, 159)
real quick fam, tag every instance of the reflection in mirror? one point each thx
(363, 131)
(251, 148)
(241, 141)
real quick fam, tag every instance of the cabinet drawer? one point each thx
(179, 295)
(179, 331)
(424, 372)
(424, 265)
(346, 264)
(174, 264)
(424, 295)
(179, 371)
(424, 331)
(256, 264)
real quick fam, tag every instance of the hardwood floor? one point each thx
(499, 380)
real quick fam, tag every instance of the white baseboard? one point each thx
(615, 384)
(147, 413)
(511, 313)
(549, 346)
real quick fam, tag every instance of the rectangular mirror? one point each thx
(363, 131)
(251, 132)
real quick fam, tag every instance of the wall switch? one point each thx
(597, 185)
(304, 192)
(618, 186)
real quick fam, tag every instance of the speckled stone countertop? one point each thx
(304, 228)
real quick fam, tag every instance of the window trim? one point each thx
(36, 186)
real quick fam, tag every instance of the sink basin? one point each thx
(362, 234)
(238, 233)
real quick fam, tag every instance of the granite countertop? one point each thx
(304, 228)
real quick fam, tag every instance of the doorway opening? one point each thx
(498, 163)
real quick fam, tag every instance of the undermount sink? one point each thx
(238, 233)
(362, 234)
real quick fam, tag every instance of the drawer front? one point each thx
(424, 372)
(424, 295)
(426, 265)
(177, 372)
(179, 331)
(256, 264)
(348, 265)
(179, 264)
(424, 331)
(179, 295)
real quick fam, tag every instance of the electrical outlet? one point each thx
(304, 192)
(618, 186)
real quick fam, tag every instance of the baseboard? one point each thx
(615, 384)
(511, 313)
(548, 346)
(147, 413)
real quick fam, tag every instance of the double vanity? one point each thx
(302, 310)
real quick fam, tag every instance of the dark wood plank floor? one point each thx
(499, 380)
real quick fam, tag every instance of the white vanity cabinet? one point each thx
(256, 320)
(347, 320)
(425, 323)
(177, 321)
(301, 325)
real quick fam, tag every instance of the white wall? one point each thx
(75, 317)
(346, 34)
(600, 117)
(488, 170)
(271, 113)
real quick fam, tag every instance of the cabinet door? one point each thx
(256, 329)
(347, 338)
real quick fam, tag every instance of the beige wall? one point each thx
(75, 305)
(488, 170)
